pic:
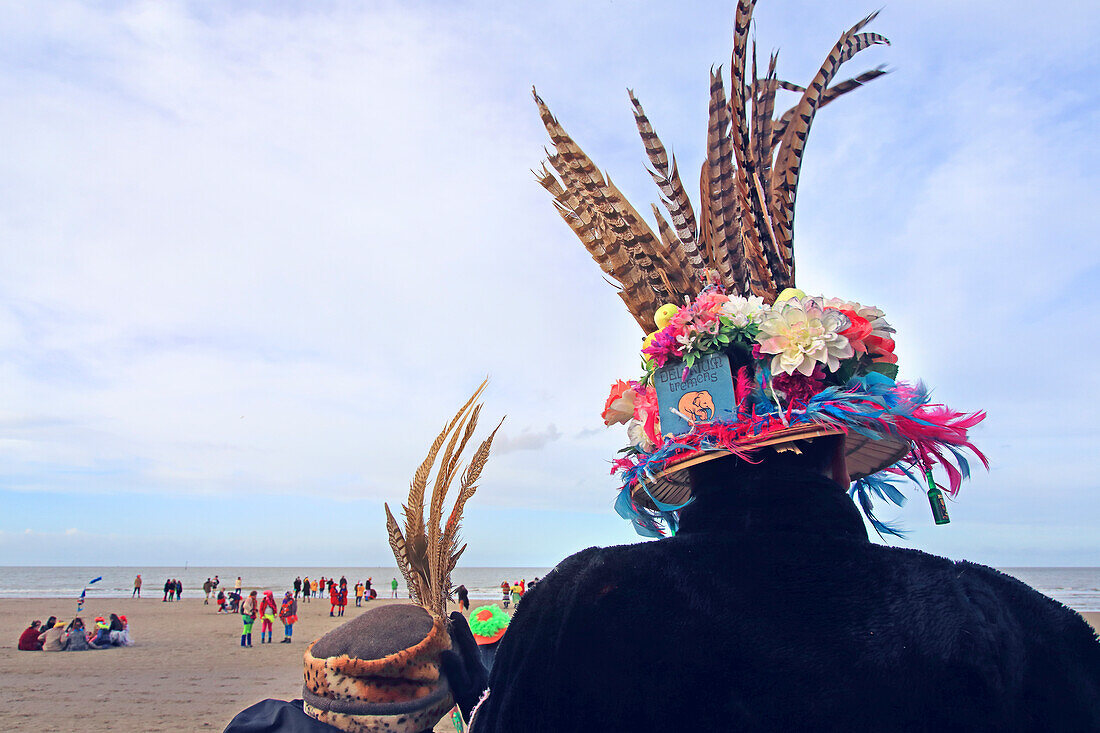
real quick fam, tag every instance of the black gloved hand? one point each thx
(462, 665)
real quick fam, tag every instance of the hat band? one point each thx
(359, 707)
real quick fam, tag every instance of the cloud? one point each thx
(526, 440)
(256, 252)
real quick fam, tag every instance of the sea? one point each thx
(118, 582)
(1078, 588)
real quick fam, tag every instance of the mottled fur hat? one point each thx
(379, 672)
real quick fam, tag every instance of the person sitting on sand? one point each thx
(28, 640)
(120, 631)
(54, 639)
(102, 632)
(77, 637)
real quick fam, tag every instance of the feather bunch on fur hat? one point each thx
(427, 552)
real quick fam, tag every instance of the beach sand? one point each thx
(185, 672)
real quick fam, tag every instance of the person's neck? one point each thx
(774, 502)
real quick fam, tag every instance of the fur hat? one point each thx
(379, 672)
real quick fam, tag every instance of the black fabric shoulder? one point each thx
(276, 716)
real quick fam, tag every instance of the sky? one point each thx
(253, 255)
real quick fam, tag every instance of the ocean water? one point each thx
(67, 582)
(1078, 588)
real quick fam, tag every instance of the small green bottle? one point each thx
(935, 498)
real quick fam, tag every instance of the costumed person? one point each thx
(333, 598)
(488, 624)
(248, 610)
(268, 612)
(399, 667)
(102, 632)
(221, 601)
(463, 596)
(54, 639)
(28, 640)
(761, 415)
(506, 593)
(288, 614)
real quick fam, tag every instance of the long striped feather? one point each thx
(789, 158)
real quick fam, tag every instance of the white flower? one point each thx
(743, 311)
(801, 334)
(635, 433)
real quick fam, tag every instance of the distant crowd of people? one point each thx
(57, 636)
(513, 592)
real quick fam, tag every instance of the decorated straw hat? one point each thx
(735, 359)
(382, 671)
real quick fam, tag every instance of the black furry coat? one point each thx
(771, 611)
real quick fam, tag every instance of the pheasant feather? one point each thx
(425, 552)
(741, 231)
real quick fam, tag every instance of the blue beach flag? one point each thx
(83, 593)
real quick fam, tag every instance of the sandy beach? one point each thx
(185, 672)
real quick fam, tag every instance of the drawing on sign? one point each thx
(696, 406)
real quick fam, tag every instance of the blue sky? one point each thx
(252, 255)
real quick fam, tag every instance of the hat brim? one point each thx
(483, 640)
(864, 455)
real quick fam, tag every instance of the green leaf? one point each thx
(889, 370)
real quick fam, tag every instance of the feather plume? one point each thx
(426, 552)
(789, 161)
(741, 232)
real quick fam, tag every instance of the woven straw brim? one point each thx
(865, 456)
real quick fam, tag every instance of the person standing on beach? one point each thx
(179, 589)
(268, 612)
(169, 586)
(137, 587)
(297, 586)
(366, 588)
(237, 585)
(342, 598)
(306, 588)
(313, 586)
(288, 614)
(207, 587)
(463, 598)
(393, 587)
(333, 597)
(358, 593)
(781, 424)
(248, 611)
